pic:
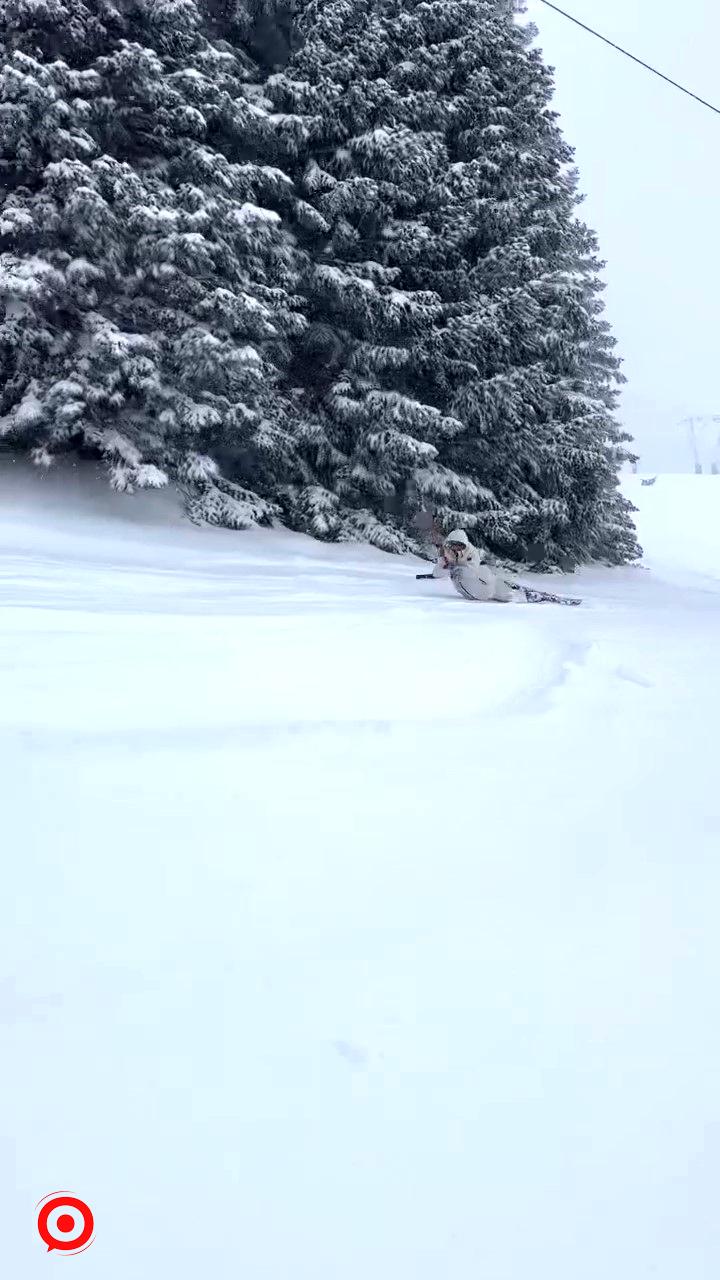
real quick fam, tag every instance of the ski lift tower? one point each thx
(692, 425)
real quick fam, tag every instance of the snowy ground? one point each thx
(349, 931)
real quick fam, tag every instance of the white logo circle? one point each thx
(61, 1234)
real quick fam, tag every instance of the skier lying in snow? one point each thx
(474, 579)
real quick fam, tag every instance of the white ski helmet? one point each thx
(458, 535)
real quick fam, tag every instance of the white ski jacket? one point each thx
(475, 581)
(472, 577)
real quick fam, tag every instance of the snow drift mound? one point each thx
(209, 629)
(71, 513)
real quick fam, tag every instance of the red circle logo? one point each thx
(65, 1223)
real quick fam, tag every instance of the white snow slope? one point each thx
(350, 931)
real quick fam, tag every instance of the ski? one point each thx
(545, 597)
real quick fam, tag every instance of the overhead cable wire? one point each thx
(703, 102)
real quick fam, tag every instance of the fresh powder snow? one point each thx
(350, 930)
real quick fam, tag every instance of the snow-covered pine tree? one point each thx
(375, 375)
(540, 410)
(456, 354)
(147, 288)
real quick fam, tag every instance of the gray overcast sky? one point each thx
(649, 165)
